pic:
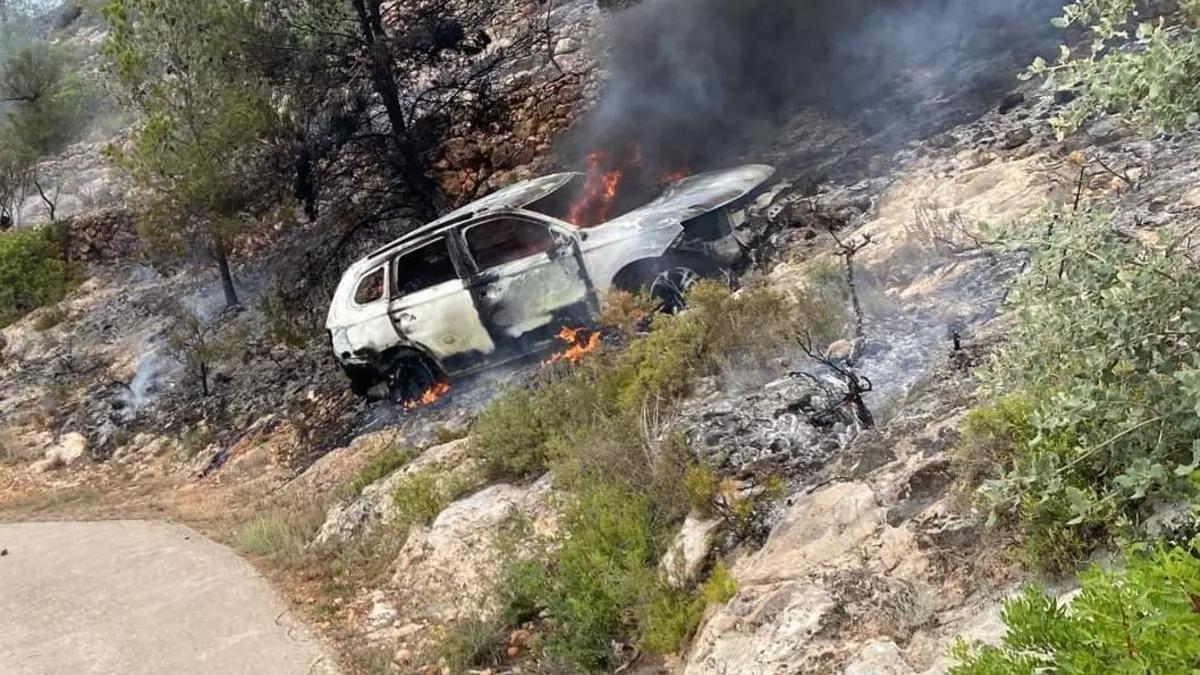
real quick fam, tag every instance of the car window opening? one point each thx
(423, 268)
(370, 289)
(502, 241)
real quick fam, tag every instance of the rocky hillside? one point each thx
(819, 521)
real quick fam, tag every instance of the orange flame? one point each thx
(431, 396)
(595, 202)
(576, 348)
(672, 176)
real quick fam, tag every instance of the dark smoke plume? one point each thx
(696, 83)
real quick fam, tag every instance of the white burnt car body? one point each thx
(498, 278)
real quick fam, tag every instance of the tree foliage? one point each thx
(207, 118)
(1143, 619)
(45, 108)
(1141, 60)
(1104, 356)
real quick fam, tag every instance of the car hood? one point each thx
(696, 195)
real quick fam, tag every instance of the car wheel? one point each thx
(411, 377)
(670, 287)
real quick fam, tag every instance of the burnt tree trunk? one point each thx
(854, 301)
(405, 157)
(222, 256)
(204, 379)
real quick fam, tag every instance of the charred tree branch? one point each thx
(847, 250)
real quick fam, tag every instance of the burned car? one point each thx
(498, 278)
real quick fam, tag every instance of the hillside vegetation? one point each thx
(270, 143)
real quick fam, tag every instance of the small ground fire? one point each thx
(429, 397)
(577, 347)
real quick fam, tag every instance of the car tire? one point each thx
(670, 287)
(410, 377)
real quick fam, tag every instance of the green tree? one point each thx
(1141, 61)
(44, 109)
(202, 148)
(48, 100)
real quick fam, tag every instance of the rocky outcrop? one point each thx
(690, 549)
(446, 572)
(104, 235)
(349, 519)
(560, 80)
(863, 564)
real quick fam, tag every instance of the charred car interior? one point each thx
(497, 279)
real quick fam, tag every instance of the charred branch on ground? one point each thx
(855, 384)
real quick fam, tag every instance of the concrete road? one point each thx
(140, 597)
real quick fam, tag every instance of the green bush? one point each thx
(602, 579)
(381, 465)
(668, 621)
(472, 644)
(1142, 62)
(423, 494)
(523, 431)
(1106, 382)
(720, 586)
(1144, 619)
(602, 427)
(31, 273)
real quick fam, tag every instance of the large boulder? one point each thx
(446, 572)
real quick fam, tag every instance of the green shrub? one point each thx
(31, 273)
(1108, 386)
(669, 620)
(991, 435)
(523, 431)
(603, 564)
(423, 494)
(472, 644)
(381, 465)
(1143, 619)
(720, 586)
(602, 427)
(1142, 62)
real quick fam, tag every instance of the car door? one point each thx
(432, 307)
(529, 278)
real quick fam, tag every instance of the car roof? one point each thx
(513, 196)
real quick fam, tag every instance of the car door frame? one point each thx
(480, 279)
(477, 348)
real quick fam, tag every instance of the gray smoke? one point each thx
(692, 82)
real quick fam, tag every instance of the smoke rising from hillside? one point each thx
(691, 80)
